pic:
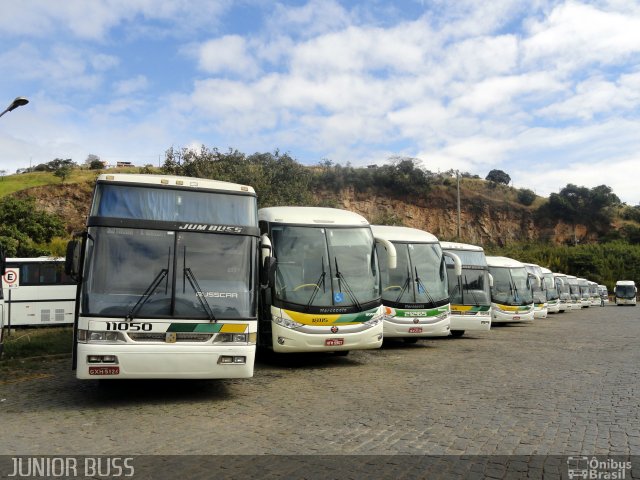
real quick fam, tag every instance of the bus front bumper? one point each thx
(498, 316)
(402, 327)
(471, 323)
(165, 361)
(287, 340)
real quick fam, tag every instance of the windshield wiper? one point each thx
(199, 295)
(315, 290)
(147, 294)
(424, 289)
(466, 284)
(404, 285)
(341, 279)
(188, 273)
(514, 292)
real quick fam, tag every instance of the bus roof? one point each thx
(403, 234)
(311, 216)
(461, 246)
(174, 181)
(619, 282)
(503, 262)
(533, 267)
(545, 270)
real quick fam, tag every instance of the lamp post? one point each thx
(18, 102)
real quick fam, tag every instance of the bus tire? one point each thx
(457, 333)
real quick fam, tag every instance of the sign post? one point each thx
(11, 279)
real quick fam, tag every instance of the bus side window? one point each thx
(30, 274)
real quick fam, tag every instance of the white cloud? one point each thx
(131, 85)
(94, 20)
(228, 54)
(59, 66)
(311, 19)
(503, 92)
(576, 35)
(596, 96)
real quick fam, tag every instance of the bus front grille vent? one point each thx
(160, 337)
(45, 315)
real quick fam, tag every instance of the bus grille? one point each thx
(59, 315)
(45, 315)
(160, 337)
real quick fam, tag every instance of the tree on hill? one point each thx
(277, 178)
(581, 205)
(498, 176)
(93, 162)
(24, 227)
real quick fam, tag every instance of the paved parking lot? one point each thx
(565, 385)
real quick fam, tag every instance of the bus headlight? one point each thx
(231, 338)
(88, 336)
(286, 322)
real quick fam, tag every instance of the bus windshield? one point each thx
(511, 286)
(550, 287)
(320, 267)
(171, 205)
(472, 288)
(166, 274)
(625, 291)
(419, 278)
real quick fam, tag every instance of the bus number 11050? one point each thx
(130, 326)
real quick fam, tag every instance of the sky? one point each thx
(547, 91)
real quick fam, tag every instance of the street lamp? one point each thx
(18, 102)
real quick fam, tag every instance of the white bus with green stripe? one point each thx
(415, 294)
(553, 297)
(168, 279)
(511, 293)
(321, 281)
(470, 293)
(540, 305)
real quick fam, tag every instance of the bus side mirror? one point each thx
(490, 280)
(457, 263)
(268, 272)
(72, 260)
(392, 255)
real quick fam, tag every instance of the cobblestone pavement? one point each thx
(565, 385)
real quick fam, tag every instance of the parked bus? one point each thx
(625, 292)
(594, 294)
(37, 292)
(574, 291)
(564, 292)
(585, 296)
(321, 281)
(415, 294)
(553, 297)
(540, 306)
(604, 293)
(168, 279)
(511, 294)
(470, 292)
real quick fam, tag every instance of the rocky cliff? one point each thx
(484, 219)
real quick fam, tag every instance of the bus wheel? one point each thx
(457, 333)
(410, 339)
(341, 353)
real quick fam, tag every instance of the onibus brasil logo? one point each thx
(589, 468)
